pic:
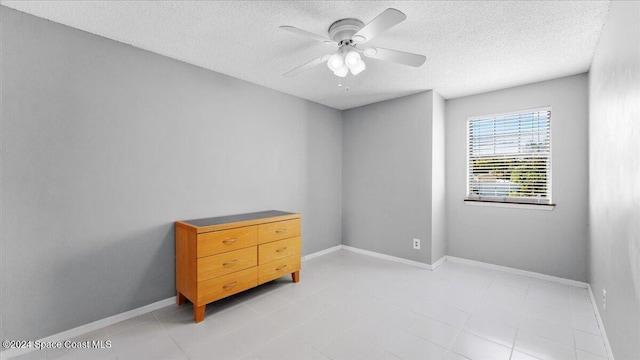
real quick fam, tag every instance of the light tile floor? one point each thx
(352, 306)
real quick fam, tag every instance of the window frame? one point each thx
(547, 204)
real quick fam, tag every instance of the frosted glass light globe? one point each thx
(341, 71)
(357, 68)
(335, 62)
(352, 59)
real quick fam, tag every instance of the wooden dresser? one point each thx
(221, 256)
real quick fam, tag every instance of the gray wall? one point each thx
(105, 145)
(614, 171)
(387, 176)
(548, 242)
(438, 183)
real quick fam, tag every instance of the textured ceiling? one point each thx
(471, 46)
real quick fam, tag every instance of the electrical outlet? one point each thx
(416, 244)
(604, 299)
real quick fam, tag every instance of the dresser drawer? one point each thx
(226, 263)
(278, 268)
(278, 230)
(223, 286)
(217, 242)
(278, 249)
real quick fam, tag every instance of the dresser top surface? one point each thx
(220, 220)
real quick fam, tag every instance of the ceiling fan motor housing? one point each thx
(343, 30)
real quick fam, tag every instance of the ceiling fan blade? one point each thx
(307, 34)
(382, 22)
(395, 56)
(306, 66)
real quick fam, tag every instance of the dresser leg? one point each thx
(295, 276)
(180, 299)
(198, 313)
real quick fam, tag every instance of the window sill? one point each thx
(512, 205)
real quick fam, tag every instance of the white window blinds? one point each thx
(509, 157)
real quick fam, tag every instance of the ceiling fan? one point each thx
(348, 35)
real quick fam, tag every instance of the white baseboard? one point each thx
(519, 272)
(375, 254)
(387, 257)
(600, 323)
(87, 328)
(321, 252)
(438, 263)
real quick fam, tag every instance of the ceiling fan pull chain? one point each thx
(343, 83)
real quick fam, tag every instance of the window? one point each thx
(509, 157)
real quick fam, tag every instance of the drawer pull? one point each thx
(229, 241)
(230, 263)
(281, 231)
(282, 267)
(281, 249)
(229, 286)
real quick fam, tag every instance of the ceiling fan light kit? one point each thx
(346, 60)
(347, 34)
